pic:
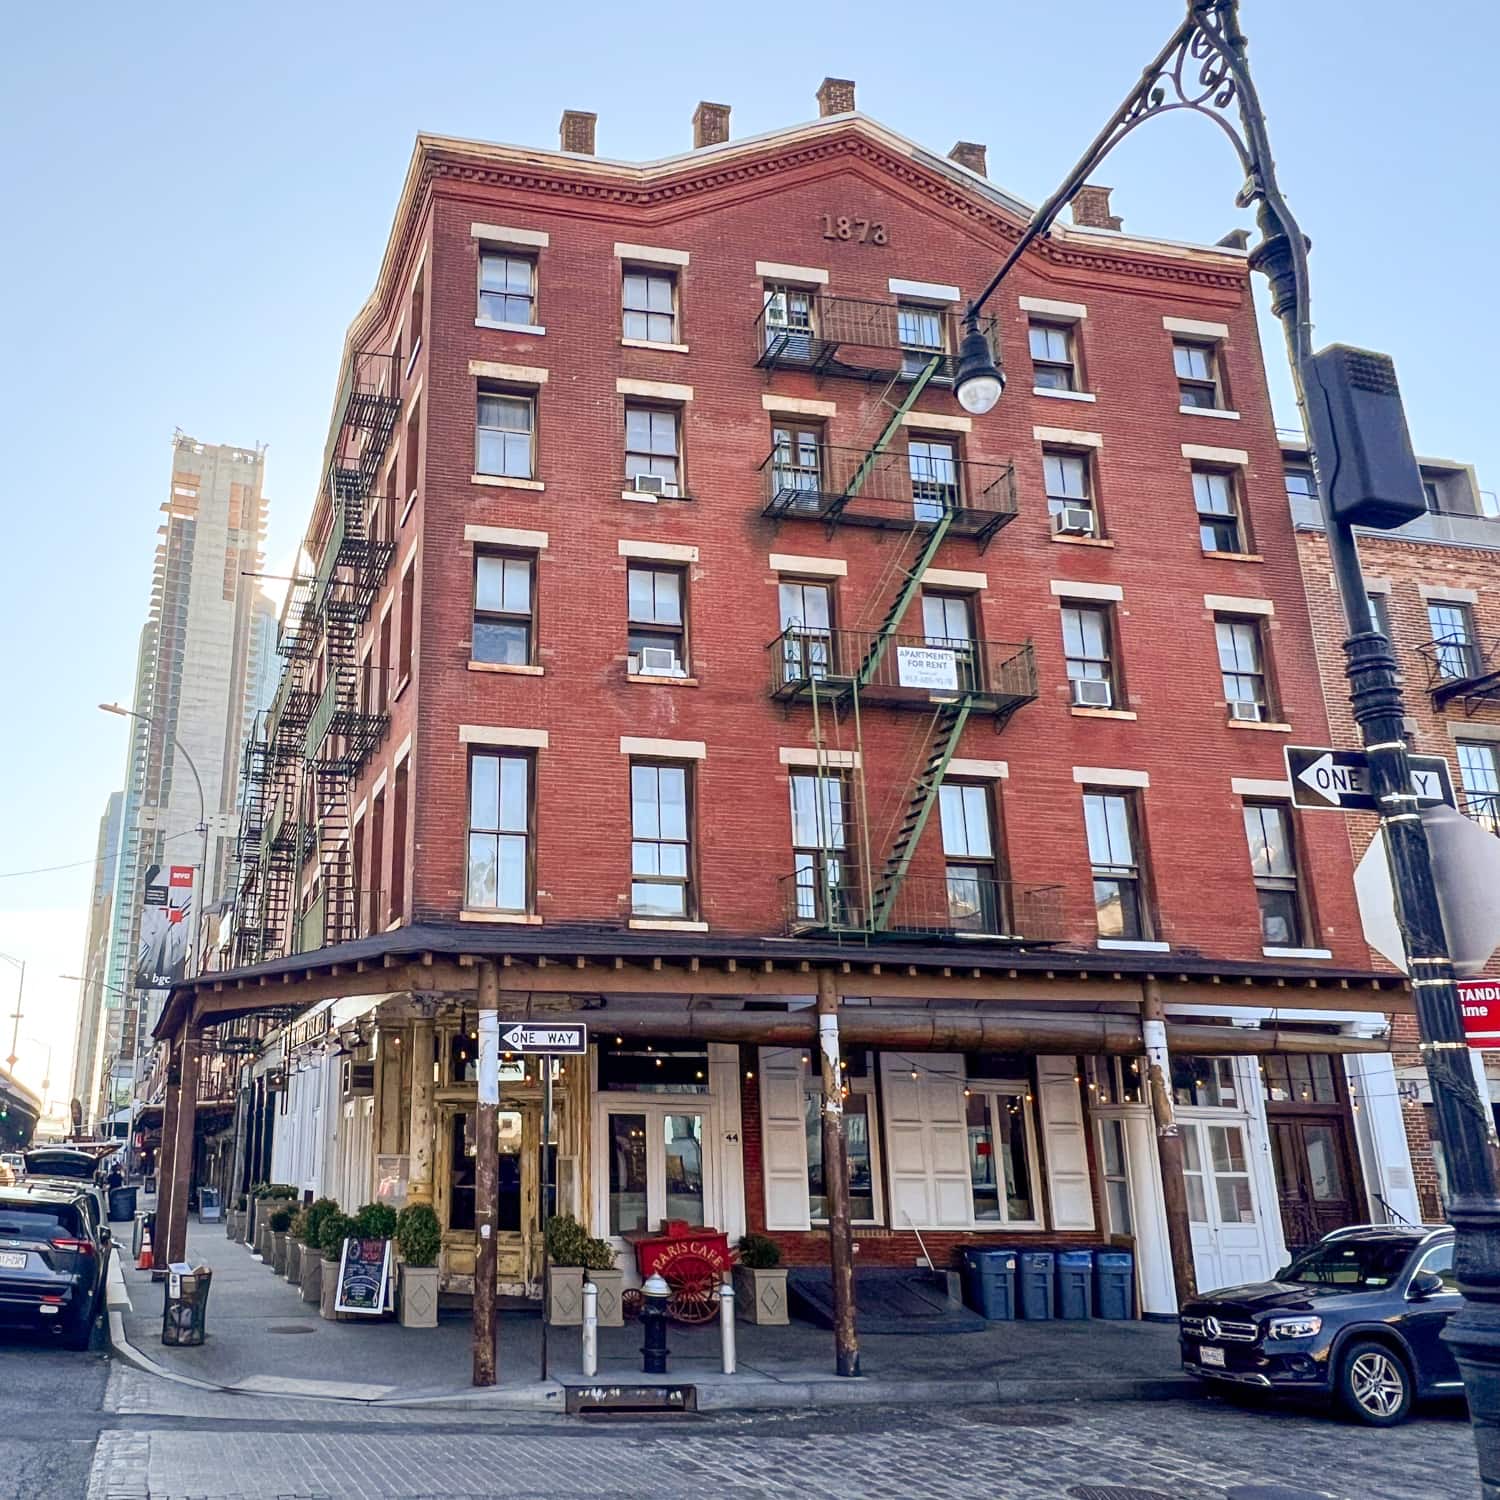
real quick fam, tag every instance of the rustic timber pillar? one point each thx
(420, 1189)
(164, 1170)
(836, 1179)
(182, 1142)
(1168, 1141)
(487, 1175)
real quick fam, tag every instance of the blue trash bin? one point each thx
(1114, 1284)
(1075, 1283)
(990, 1283)
(1037, 1268)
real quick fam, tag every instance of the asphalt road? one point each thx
(51, 1402)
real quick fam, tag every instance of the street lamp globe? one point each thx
(979, 382)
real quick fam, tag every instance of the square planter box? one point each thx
(417, 1298)
(237, 1226)
(278, 1251)
(611, 1285)
(312, 1274)
(760, 1296)
(293, 1259)
(263, 1236)
(328, 1291)
(565, 1296)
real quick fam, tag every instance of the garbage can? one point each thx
(185, 1305)
(122, 1204)
(1075, 1283)
(1037, 1269)
(136, 1235)
(1114, 1284)
(990, 1283)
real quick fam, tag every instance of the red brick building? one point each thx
(675, 640)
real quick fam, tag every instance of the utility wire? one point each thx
(79, 863)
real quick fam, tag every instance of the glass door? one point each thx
(1229, 1247)
(655, 1167)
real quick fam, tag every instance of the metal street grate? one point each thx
(1015, 1416)
(1115, 1492)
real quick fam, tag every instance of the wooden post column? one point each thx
(487, 1175)
(836, 1179)
(423, 1141)
(182, 1142)
(1168, 1141)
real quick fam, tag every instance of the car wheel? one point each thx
(1375, 1386)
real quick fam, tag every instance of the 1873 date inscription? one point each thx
(863, 231)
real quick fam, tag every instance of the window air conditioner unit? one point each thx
(1092, 692)
(659, 661)
(1239, 708)
(655, 484)
(1073, 520)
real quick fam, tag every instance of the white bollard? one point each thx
(590, 1330)
(726, 1325)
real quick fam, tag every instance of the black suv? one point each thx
(52, 1259)
(1358, 1317)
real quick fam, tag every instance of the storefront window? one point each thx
(1205, 1081)
(857, 1149)
(640, 1067)
(462, 1154)
(1192, 1174)
(1296, 1078)
(1116, 1176)
(627, 1173)
(999, 1171)
(684, 1167)
(1117, 1080)
(1226, 1143)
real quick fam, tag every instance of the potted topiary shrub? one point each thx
(567, 1246)
(313, 1218)
(760, 1281)
(293, 1272)
(602, 1272)
(419, 1239)
(280, 1221)
(336, 1229)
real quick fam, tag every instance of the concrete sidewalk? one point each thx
(264, 1340)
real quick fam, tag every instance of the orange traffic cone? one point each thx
(144, 1262)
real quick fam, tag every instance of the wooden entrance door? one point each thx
(1312, 1145)
(518, 1249)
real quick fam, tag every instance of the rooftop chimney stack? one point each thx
(576, 133)
(710, 125)
(836, 97)
(1091, 208)
(972, 155)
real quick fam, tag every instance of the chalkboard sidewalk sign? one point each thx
(364, 1273)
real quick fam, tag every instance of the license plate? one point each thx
(1208, 1355)
(12, 1262)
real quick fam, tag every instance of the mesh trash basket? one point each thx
(185, 1306)
(1037, 1270)
(1075, 1283)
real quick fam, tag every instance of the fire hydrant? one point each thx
(654, 1296)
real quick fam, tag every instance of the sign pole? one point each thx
(836, 1180)
(546, 1193)
(487, 1174)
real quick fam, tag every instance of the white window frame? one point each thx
(994, 1089)
(812, 1088)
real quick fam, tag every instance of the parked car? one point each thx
(16, 1162)
(66, 1164)
(52, 1259)
(1357, 1317)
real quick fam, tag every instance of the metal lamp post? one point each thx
(134, 998)
(15, 1030)
(1204, 68)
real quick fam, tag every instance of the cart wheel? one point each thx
(695, 1290)
(630, 1302)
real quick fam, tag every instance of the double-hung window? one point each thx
(933, 463)
(1273, 863)
(1087, 649)
(1452, 638)
(657, 641)
(1053, 365)
(789, 321)
(505, 441)
(1119, 905)
(1479, 771)
(797, 465)
(507, 288)
(1242, 667)
(1299, 483)
(807, 629)
(499, 872)
(819, 839)
(660, 845)
(999, 1127)
(1380, 613)
(1214, 495)
(652, 447)
(1066, 480)
(1198, 382)
(948, 624)
(921, 332)
(502, 609)
(859, 1139)
(649, 302)
(969, 856)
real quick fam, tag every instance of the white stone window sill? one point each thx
(514, 669)
(1102, 713)
(1297, 952)
(507, 918)
(1263, 724)
(1083, 541)
(661, 679)
(1221, 412)
(1254, 557)
(653, 344)
(509, 327)
(1056, 395)
(505, 482)
(1133, 945)
(644, 924)
(651, 499)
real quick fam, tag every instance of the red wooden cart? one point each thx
(692, 1260)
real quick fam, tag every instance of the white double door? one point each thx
(1226, 1201)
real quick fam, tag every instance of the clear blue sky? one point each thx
(198, 196)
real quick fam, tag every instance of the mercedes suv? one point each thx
(1357, 1317)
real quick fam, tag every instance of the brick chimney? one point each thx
(576, 133)
(1091, 208)
(970, 154)
(710, 125)
(836, 96)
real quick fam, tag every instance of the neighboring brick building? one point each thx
(1432, 587)
(677, 641)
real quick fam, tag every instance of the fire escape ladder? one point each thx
(335, 864)
(937, 751)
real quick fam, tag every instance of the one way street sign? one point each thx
(1339, 780)
(532, 1036)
